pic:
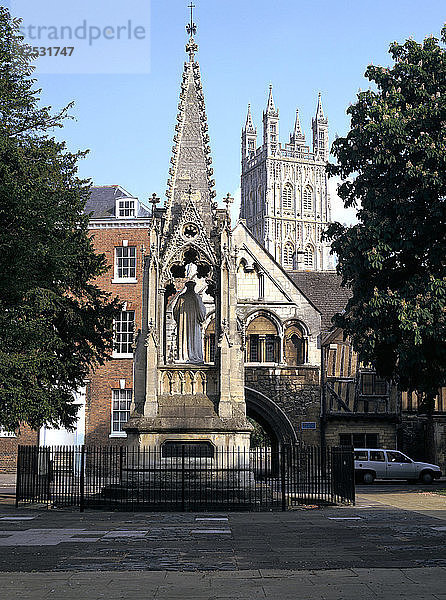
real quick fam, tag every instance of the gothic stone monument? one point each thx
(190, 280)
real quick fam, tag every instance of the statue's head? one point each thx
(190, 286)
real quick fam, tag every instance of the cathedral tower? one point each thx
(284, 190)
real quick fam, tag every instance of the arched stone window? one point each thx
(262, 341)
(209, 342)
(287, 197)
(309, 258)
(288, 256)
(294, 345)
(308, 199)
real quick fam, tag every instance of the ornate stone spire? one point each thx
(190, 173)
(320, 132)
(297, 137)
(320, 111)
(270, 106)
(249, 125)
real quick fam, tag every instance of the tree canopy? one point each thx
(393, 166)
(55, 323)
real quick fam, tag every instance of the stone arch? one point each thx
(295, 343)
(189, 254)
(269, 314)
(271, 417)
(263, 338)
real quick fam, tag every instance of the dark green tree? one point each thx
(393, 166)
(55, 324)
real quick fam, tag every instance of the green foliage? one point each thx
(54, 323)
(259, 438)
(393, 161)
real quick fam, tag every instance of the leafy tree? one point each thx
(393, 161)
(55, 324)
(259, 438)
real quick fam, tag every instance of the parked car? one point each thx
(371, 464)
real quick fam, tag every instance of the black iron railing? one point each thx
(185, 478)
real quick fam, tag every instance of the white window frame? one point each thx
(120, 395)
(117, 266)
(126, 206)
(116, 353)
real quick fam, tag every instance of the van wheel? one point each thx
(368, 477)
(426, 477)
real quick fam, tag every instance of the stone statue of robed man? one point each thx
(189, 313)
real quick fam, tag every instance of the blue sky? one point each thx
(126, 117)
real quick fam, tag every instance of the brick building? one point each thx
(119, 225)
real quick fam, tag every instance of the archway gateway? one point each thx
(271, 417)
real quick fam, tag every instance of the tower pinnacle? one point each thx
(191, 28)
(319, 111)
(270, 107)
(297, 137)
(249, 126)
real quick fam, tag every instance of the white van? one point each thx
(371, 464)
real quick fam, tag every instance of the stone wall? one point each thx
(413, 438)
(295, 390)
(386, 430)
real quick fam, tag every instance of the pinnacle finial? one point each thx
(191, 28)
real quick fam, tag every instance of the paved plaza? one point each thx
(390, 545)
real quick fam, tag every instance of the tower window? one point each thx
(308, 199)
(287, 197)
(272, 128)
(309, 258)
(288, 254)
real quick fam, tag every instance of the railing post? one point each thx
(283, 477)
(17, 481)
(82, 480)
(183, 449)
